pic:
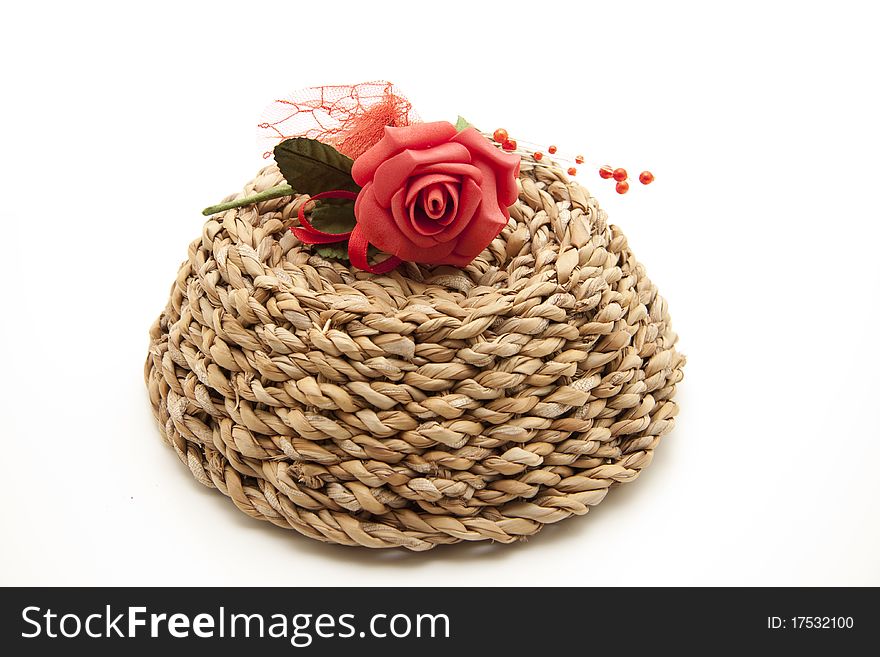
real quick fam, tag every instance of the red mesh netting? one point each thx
(351, 118)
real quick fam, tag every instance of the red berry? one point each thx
(619, 175)
(579, 159)
(646, 177)
(622, 187)
(538, 155)
(572, 171)
(606, 172)
(500, 135)
(551, 150)
(509, 144)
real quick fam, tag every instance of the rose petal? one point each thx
(416, 136)
(452, 169)
(469, 201)
(466, 249)
(488, 221)
(489, 190)
(451, 203)
(404, 222)
(505, 166)
(374, 220)
(422, 223)
(417, 184)
(391, 175)
(434, 199)
(435, 255)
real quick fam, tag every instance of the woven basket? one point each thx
(427, 405)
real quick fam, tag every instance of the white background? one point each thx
(760, 121)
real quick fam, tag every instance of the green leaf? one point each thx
(335, 251)
(333, 217)
(462, 123)
(340, 251)
(311, 167)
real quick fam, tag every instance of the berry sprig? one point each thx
(621, 177)
(619, 174)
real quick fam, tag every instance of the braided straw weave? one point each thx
(427, 405)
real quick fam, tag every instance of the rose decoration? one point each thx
(432, 194)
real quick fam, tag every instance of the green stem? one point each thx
(273, 192)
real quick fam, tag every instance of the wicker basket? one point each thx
(426, 406)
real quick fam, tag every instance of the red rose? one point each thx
(432, 194)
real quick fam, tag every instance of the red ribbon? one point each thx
(357, 254)
(357, 242)
(311, 235)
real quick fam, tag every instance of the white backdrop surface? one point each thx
(119, 122)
